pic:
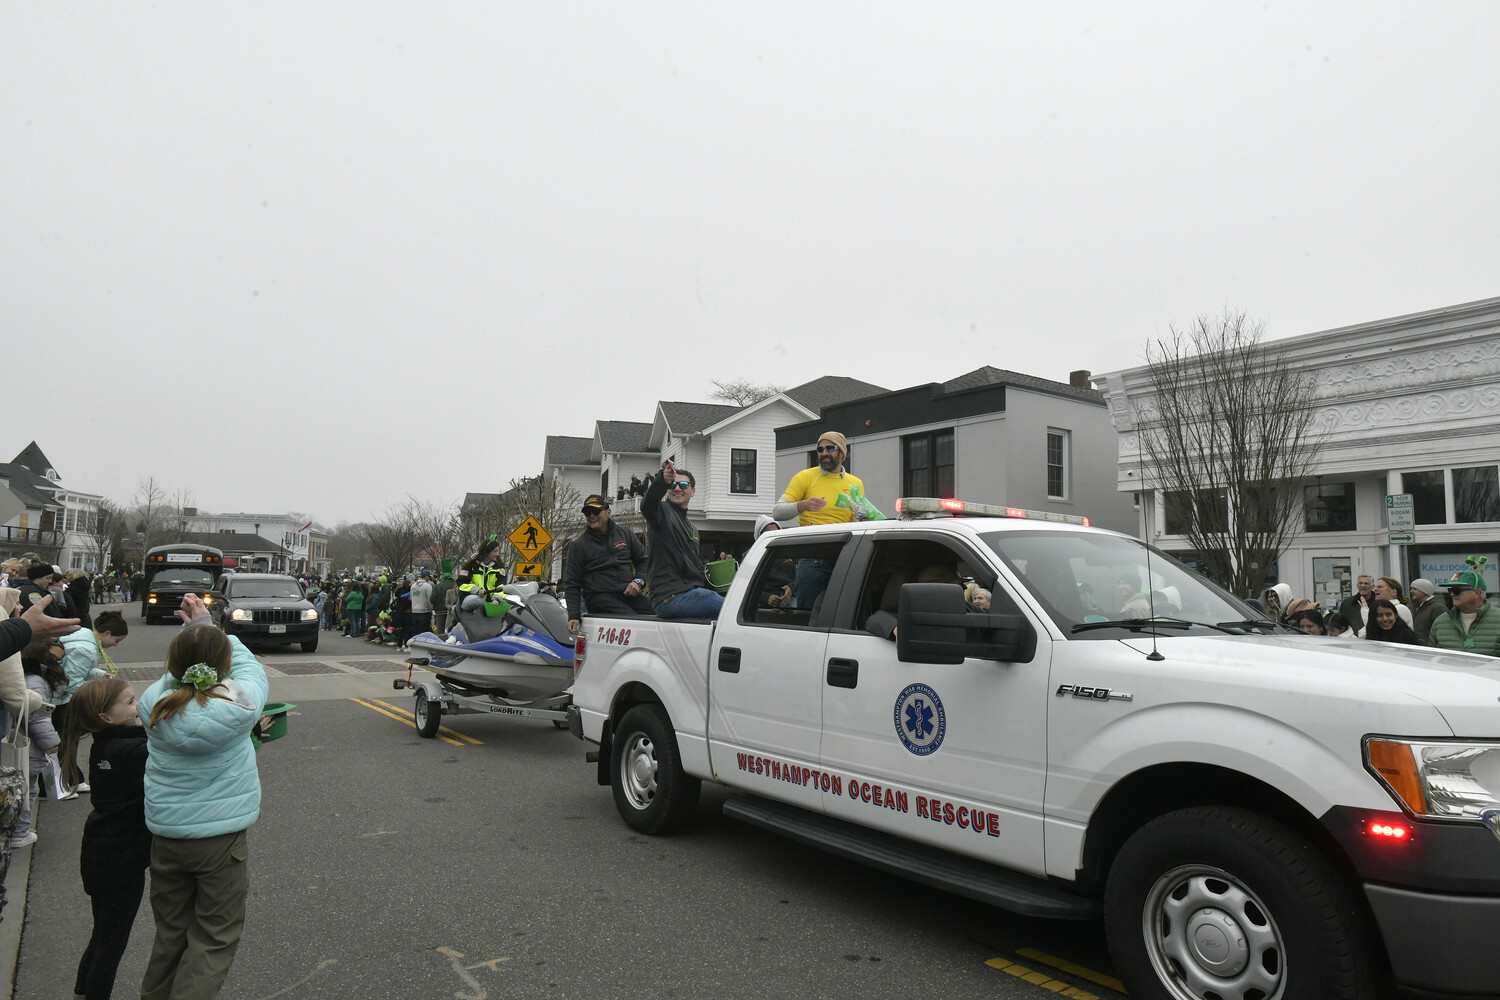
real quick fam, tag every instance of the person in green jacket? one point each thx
(354, 604)
(1471, 626)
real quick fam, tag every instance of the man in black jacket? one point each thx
(679, 584)
(605, 568)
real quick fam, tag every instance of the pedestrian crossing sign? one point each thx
(530, 537)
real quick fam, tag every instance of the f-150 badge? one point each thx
(920, 719)
(1093, 693)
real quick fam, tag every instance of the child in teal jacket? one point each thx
(202, 795)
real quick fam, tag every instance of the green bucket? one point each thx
(721, 574)
(264, 732)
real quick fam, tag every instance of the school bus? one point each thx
(174, 571)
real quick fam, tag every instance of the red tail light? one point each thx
(580, 646)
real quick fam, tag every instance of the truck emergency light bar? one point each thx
(912, 507)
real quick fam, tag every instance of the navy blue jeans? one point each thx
(700, 602)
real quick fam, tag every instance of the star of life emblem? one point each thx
(920, 719)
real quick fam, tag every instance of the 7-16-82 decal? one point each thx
(614, 636)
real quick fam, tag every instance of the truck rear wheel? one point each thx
(652, 791)
(1217, 903)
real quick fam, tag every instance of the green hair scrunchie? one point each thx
(200, 676)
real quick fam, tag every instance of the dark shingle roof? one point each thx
(32, 458)
(830, 390)
(989, 375)
(30, 488)
(624, 436)
(689, 418)
(568, 450)
(229, 541)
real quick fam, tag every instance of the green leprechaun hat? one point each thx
(1471, 577)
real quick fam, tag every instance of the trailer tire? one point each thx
(1217, 902)
(427, 715)
(652, 791)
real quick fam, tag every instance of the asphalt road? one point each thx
(148, 643)
(490, 864)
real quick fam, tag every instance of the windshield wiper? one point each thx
(1138, 624)
(1258, 624)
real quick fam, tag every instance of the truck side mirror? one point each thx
(934, 625)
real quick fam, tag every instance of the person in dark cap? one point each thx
(605, 568)
(37, 586)
(1471, 626)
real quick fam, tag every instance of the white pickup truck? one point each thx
(1255, 813)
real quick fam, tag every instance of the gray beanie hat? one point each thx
(1424, 585)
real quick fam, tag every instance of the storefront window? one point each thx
(1329, 507)
(1429, 496)
(1476, 495)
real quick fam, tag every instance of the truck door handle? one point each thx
(729, 660)
(843, 673)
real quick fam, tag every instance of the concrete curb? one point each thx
(13, 920)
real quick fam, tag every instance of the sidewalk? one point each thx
(12, 919)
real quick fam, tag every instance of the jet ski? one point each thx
(519, 650)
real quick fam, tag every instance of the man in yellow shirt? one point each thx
(811, 498)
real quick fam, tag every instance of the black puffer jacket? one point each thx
(116, 843)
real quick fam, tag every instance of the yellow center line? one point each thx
(1041, 979)
(1063, 965)
(399, 718)
(441, 729)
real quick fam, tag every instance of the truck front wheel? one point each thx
(652, 791)
(1217, 902)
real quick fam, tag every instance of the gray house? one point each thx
(989, 436)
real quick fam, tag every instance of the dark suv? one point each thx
(265, 608)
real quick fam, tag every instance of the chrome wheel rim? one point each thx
(421, 710)
(1210, 937)
(638, 771)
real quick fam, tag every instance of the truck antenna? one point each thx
(1155, 654)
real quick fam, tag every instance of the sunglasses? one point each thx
(681, 484)
(1459, 590)
(829, 448)
(594, 511)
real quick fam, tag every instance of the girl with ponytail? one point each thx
(202, 795)
(116, 845)
(86, 656)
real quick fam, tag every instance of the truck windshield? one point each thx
(266, 588)
(1088, 579)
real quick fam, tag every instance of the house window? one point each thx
(1476, 495)
(1329, 507)
(604, 484)
(927, 464)
(1057, 464)
(742, 470)
(1429, 495)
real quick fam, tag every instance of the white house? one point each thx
(53, 521)
(288, 532)
(1407, 405)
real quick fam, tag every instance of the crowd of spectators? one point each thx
(1453, 614)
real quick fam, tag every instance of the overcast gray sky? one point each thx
(269, 252)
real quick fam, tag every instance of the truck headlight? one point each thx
(310, 615)
(1439, 780)
(242, 615)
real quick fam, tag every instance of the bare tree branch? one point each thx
(742, 392)
(1229, 440)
